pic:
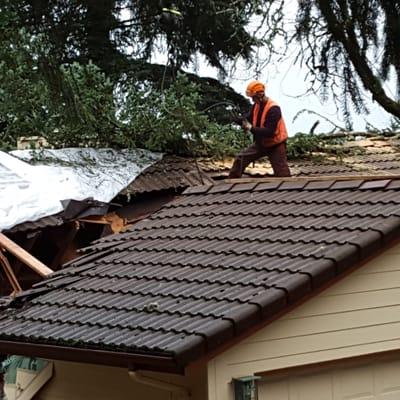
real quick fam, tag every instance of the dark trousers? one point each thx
(276, 155)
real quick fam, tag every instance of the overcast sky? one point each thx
(287, 85)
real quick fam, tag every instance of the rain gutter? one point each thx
(133, 361)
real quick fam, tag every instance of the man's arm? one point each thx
(239, 120)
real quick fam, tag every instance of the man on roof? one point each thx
(266, 123)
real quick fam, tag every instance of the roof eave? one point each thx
(133, 361)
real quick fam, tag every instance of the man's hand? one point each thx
(246, 125)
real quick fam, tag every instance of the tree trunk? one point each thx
(99, 24)
(349, 41)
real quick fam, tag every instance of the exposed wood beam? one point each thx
(114, 220)
(24, 256)
(10, 274)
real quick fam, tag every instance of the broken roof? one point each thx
(203, 270)
(167, 173)
(35, 191)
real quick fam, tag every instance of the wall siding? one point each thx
(358, 315)
(95, 382)
(371, 381)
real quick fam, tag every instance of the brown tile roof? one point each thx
(169, 173)
(204, 269)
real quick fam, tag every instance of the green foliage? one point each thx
(22, 94)
(78, 105)
(303, 145)
(90, 118)
(169, 121)
(320, 146)
(65, 73)
(82, 30)
(216, 28)
(81, 112)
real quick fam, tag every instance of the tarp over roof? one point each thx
(203, 270)
(29, 192)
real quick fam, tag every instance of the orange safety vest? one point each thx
(280, 133)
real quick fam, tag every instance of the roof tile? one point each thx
(379, 184)
(270, 301)
(268, 185)
(320, 273)
(368, 242)
(197, 189)
(394, 184)
(344, 256)
(243, 187)
(292, 185)
(319, 185)
(296, 286)
(217, 332)
(243, 317)
(342, 184)
(221, 188)
(389, 228)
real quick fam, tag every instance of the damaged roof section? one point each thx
(55, 239)
(99, 177)
(66, 174)
(204, 269)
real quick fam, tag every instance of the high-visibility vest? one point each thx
(280, 134)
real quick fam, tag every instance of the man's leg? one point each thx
(244, 158)
(278, 159)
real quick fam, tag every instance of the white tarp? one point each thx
(75, 173)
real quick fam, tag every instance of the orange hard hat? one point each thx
(254, 87)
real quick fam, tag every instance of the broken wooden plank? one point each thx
(113, 219)
(24, 256)
(12, 279)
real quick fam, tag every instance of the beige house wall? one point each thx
(95, 382)
(370, 380)
(359, 315)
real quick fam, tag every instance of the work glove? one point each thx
(246, 125)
